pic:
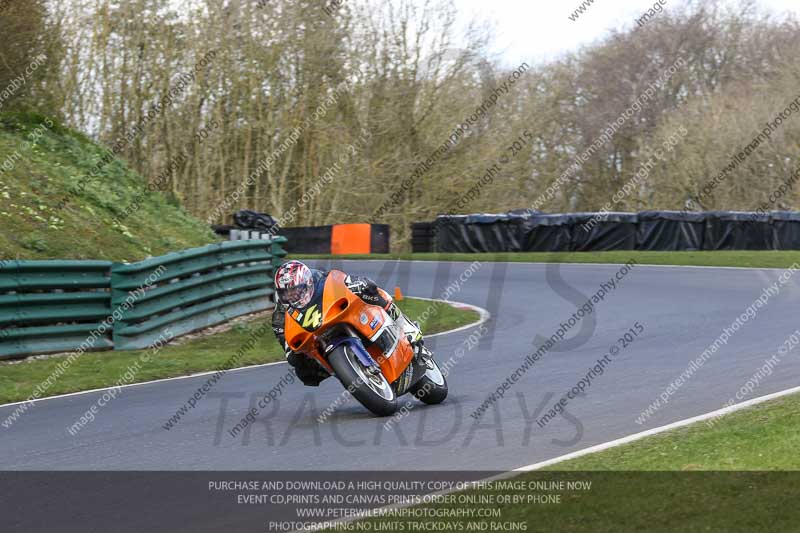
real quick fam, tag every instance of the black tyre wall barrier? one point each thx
(379, 238)
(423, 235)
(548, 233)
(308, 240)
(670, 231)
(479, 233)
(603, 232)
(736, 230)
(649, 230)
(786, 226)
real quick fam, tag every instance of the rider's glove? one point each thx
(308, 370)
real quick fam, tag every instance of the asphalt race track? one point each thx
(682, 310)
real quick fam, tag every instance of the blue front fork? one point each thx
(355, 344)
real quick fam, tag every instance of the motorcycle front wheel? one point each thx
(365, 384)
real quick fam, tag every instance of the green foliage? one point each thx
(44, 161)
(764, 437)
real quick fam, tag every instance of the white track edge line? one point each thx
(372, 513)
(200, 374)
(661, 429)
(485, 315)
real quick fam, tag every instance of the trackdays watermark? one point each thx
(212, 380)
(125, 378)
(156, 184)
(263, 166)
(340, 400)
(430, 311)
(466, 346)
(476, 190)
(453, 288)
(749, 314)
(10, 162)
(285, 423)
(587, 309)
(582, 8)
(269, 397)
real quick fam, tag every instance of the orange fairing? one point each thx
(340, 306)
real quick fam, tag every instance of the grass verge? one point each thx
(102, 369)
(762, 437)
(737, 258)
(738, 473)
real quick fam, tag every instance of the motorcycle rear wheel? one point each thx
(432, 387)
(370, 388)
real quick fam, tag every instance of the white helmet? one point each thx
(294, 284)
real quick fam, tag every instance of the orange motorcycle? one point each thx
(365, 348)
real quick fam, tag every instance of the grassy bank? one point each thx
(726, 476)
(101, 369)
(738, 258)
(111, 217)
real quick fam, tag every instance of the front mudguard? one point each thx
(358, 348)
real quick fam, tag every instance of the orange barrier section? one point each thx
(350, 239)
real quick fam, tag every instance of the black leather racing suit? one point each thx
(308, 370)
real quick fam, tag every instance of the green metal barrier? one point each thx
(54, 306)
(181, 292)
(61, 306)
(278, 252)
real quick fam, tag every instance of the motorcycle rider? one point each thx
(298, 287)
